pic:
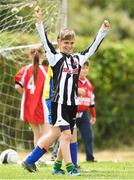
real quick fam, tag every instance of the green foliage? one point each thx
(22, 40)
(88, 18)
(112, 72)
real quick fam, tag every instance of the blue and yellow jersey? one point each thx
(47, 91)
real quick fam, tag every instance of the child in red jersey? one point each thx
(29, 81)
(86, 103)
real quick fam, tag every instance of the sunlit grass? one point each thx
(100, 170)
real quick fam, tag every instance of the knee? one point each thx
(74, 136)
(37, 135)
(66, 135)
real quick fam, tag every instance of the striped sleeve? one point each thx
(84, 55)
(48, 46)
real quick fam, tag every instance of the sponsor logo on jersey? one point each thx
(71, 71)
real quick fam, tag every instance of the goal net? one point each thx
(17, 34)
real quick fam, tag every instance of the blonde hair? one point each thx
(66, 34)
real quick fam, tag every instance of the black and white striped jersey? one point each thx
(66, 68)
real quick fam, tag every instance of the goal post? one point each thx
(18, 33)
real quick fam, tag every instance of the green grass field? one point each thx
(100, 170)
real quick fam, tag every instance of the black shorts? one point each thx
(63, 116)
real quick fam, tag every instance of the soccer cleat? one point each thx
(58, 171)
(29, 167)
(74, 172)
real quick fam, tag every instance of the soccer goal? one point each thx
(17, 34)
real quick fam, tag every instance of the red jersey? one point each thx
(33, 108)
(87, 102)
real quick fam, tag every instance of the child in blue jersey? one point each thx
(66, 67)
(47, 91)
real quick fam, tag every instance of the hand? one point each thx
(93, 120)
(106, 24)
(38, 14)
(82, 92)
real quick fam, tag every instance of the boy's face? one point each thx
(66, 46)
(84, 71)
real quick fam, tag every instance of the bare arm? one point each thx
(19, 88)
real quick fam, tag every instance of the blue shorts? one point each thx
(48, 102)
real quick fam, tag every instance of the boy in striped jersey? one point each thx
(66, 67)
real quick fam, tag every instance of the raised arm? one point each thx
(84, 55)
(48, 46)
